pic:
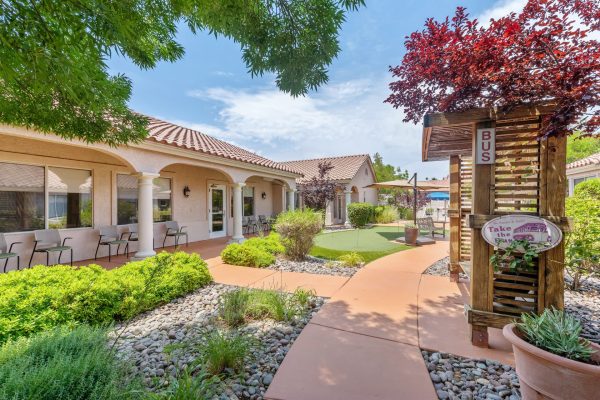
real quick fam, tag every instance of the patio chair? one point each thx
(49, 241)
(6, 252)
(109, 236)
(426, 224)
(264, 222)
(245, 226)
(175, 231)
(253, 224)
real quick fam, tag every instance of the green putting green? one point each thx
(371, 243)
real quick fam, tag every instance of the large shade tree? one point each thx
(544, 54)
(53, 54)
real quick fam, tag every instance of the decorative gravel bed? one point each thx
(440, 268)
(314, 265)
(585, 305)
(462, 378)
(163, 342)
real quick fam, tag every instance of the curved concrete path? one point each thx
(365, 342)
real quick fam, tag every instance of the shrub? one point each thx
(582, 244)
(351, 259)
(385, 214)
(556, 332)
(41, 298)
(271, 243)
(225, 351)
(247, 256)
(298, 229)
(360, 214)
(234, 306)
(63, 364)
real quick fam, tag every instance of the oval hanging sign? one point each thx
(540, 233)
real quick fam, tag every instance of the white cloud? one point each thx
(343, 118)
(501, 9)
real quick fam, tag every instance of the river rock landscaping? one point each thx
(585, 306)
(462, 378)
(440, 268)
(314, 265)
(169, 340)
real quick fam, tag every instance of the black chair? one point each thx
(49, 241)
(264, 222)
(175, 231)
(109, 236)
(6, 252)
(253, 224)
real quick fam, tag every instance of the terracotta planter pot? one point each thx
(544, 375)
(410, 235)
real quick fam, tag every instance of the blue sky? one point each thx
(210, 90)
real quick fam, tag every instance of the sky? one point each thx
(210, 90)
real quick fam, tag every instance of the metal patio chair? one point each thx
(109, 236)
(175, 231)
(245, 226)
(264, 222)
(253, 224)
(6, 252)
(49, 241)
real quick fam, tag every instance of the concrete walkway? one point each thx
(365, 342)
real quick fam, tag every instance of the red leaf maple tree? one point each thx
(544, 54)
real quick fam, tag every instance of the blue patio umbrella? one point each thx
(438, 196)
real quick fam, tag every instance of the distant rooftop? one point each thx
(594, 159)
(344, 167)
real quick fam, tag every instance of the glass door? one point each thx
(216, 210)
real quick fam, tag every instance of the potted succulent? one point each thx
(411, 232)
(552, 360)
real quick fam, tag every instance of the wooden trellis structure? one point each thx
(527, 177)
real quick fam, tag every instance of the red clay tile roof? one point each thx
(168, 133)
(594, 159)
(344, 167)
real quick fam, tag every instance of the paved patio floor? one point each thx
(365, 342)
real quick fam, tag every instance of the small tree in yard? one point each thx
(544, 54)
(320, 189)
(583, 242)
(404, 199)
(298, 229)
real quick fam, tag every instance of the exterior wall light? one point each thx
(186, 191)
(263, 195)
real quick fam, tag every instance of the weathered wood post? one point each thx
(455, 221)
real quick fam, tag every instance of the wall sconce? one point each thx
(263, 195)
(186, 191)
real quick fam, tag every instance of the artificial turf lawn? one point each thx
(371, 243)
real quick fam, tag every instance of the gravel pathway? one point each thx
(314, 265)
(165, 341)
(440, 268)
(462, 378)
(585, 305)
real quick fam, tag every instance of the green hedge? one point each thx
(385, 214)
(256, 252)
(64, 364)
(41, 298)
(360, 214)
(298, 229)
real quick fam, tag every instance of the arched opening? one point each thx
(355, 196)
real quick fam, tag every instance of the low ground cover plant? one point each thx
(557, 332)
(360, 214)
(64, 364)
(243, 304)
(42, 298)
(352, 259)
(201, 386)
(258, 252)
(298, 229)
(385, 214)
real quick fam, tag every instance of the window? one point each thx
(69, 198)
(24, 191)
(127, 199)
(248, 200)
(577, 181)
(22, 200)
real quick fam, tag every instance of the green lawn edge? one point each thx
(368, 256)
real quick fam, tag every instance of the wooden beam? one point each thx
(552, 203)
(481, 273)
(454, 218)
(491, 319)
(477, 115)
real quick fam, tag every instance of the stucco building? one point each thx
(177, 174)
(352, 173)
(581, 170)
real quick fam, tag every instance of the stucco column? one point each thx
(348, 201)
(238, 211)
(291, 199)
(145, 216)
